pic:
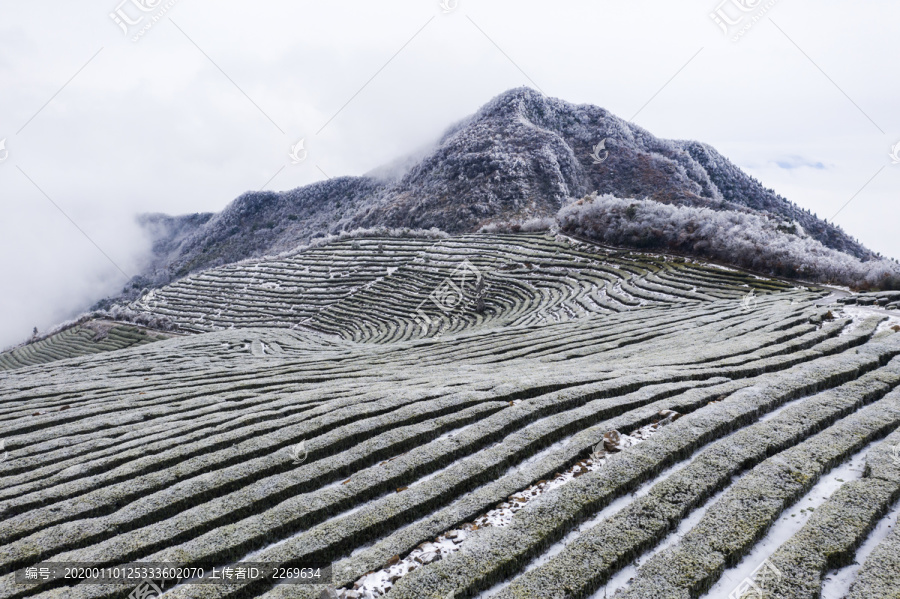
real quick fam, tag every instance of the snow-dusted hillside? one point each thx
(504, 416)
(522, 155)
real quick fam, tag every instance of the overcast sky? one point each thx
(101, 123)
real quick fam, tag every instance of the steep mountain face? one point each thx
(522, 155)
(739, 188)
(169, 232)
(268, 222)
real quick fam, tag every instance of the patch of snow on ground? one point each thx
(624, 576)
(606, 513)
(837, 583)
(790, 522)
(860, 313)
(439, 471)
(376, 584)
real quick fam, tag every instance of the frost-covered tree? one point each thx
(757, 242)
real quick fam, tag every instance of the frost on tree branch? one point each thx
(755, 242)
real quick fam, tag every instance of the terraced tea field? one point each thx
(493, 416)
(92, 337)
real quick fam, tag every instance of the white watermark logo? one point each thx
(147, 589)
(464, 285)
(895, 153)
(134, 17)
(298, 152)
(736, 17)
(597, 453)
(299, 452)
(895, 451)
(754, 586)
(600, 147)
(121, 18)
(149, 301)
(448, 6)
(749, 301)
(450, 294)
(4, 153)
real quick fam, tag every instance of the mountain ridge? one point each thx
(522, 155)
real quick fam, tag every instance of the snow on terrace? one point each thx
(836, 584)
(551, 343)
(860, 313)
(377, 584)
(791, 521)
(624, 576)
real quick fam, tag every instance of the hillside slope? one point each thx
(523, 415)
(364, 288)
(92, 337)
